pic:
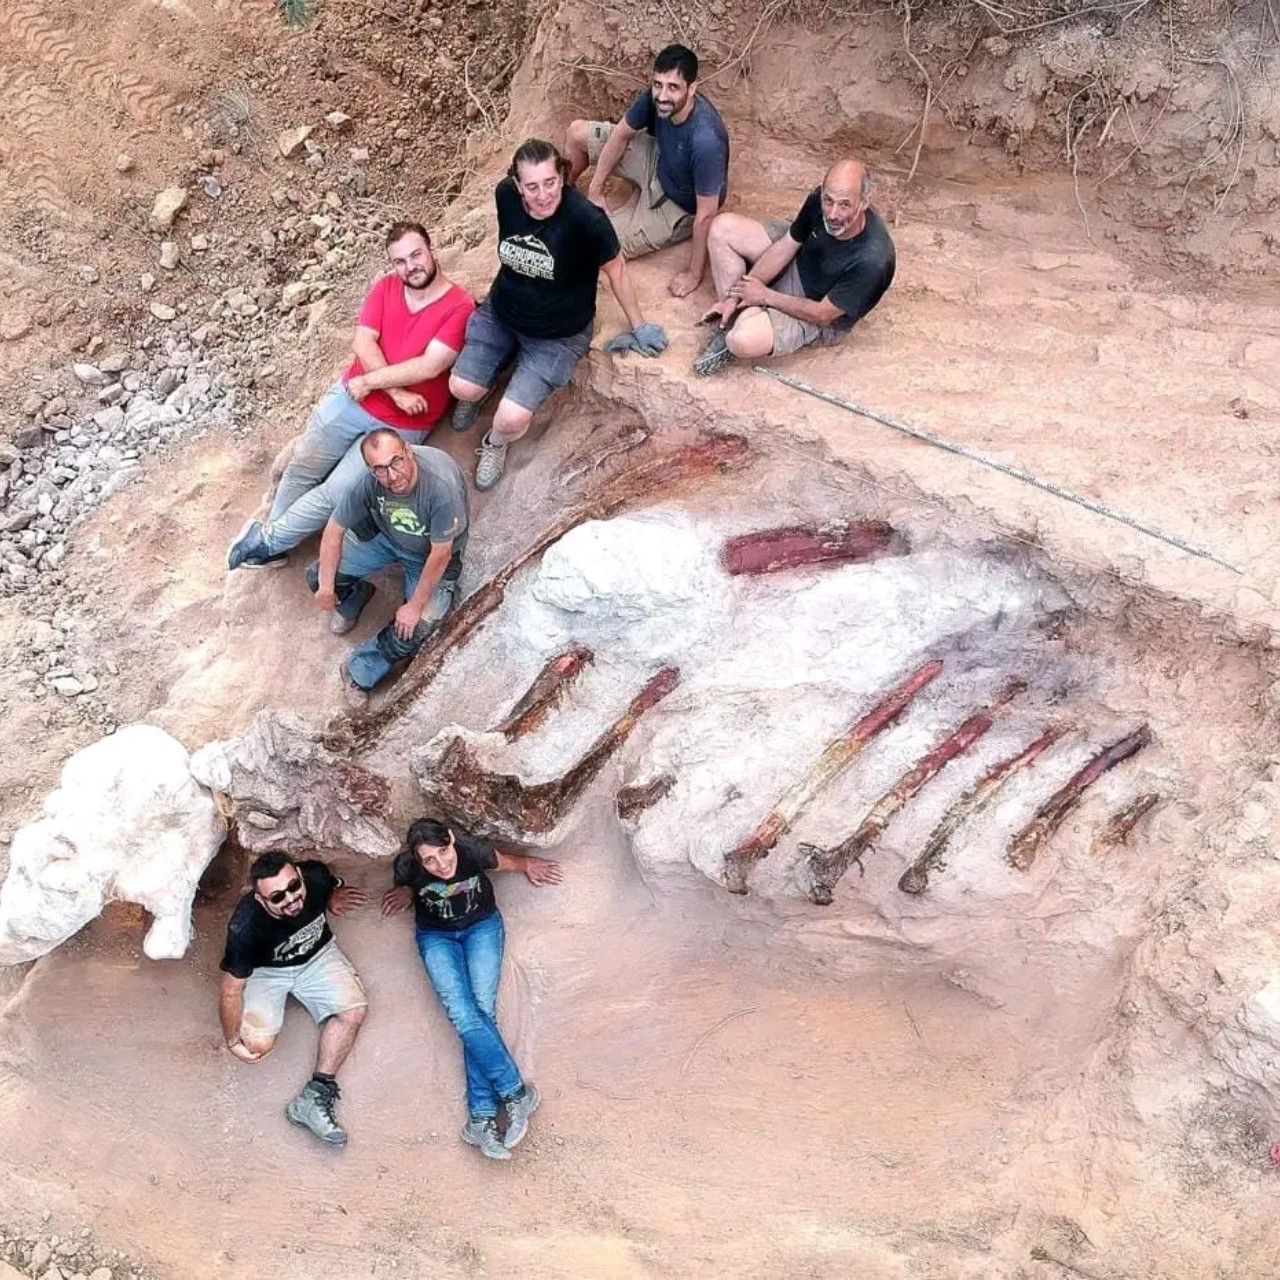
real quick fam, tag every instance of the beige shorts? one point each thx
(649, 220)
(326, 985)
(790, 334)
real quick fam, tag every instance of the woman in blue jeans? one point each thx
(459, 934)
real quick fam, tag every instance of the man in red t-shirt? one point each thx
(409, 333)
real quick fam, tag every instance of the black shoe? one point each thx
(465, 413)
(249, 550)
(715, 355)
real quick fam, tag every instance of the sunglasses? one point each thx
(281, 894)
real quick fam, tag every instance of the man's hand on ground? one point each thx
(240, 1051)
(396, 900)
(409, 402)
(683, 284)
(346, 899)
(541, 870)
(749, 292)
(327, 599)
(406, 620)
(721, 313)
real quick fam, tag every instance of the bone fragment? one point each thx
(545, 692)
(772, 550)
(1027, 843)
(826, 866)
(1120, 825)
(632, 801)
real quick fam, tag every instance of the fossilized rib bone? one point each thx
(1120, 825)
(826, 866)
(503, 806)
(632, 801)
(645, 478)
(772, 550)
(835, 756)
(546, 690)
(915, 879)
(1027, 843)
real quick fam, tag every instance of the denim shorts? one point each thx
(543, 365)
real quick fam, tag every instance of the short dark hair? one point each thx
(429, 831)
(378, 433)
(399, 229)
(537, 151)
(675, 57)
(266, 865)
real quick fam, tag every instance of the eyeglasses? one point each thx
(281, 894)
(399, 464)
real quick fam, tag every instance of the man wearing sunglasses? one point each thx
(279, 944)
(409, 508)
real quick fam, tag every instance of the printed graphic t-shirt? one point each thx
(693, 157)
(404, 335)
(853, 273)
(435, 510)
(458, 902)
(258, 940)
(546, 283)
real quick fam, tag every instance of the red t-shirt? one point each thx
(405, 335)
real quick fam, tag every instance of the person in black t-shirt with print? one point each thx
(279, 944)
(811, 282)
(459, 932)
(552, 245)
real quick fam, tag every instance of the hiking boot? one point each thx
(493, 458)
(482, 1132)
(355, 696)
(340, 624)
(715, 355)
(465, 413)
(313, 1109)
(519, 1109)
(249, 550)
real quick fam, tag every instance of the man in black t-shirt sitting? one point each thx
(783, 288)
(279, 944)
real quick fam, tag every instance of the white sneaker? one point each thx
(493, 458)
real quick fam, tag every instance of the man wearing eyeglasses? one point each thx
(409, 333)
(279, 944)
(409, 508)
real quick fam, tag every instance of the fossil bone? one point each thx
(545, 692)
(772, 550)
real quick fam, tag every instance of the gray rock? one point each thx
(162, 311)
(166, 383)
(109, 419)
(32, 404)
(169, 255)
(89, 374)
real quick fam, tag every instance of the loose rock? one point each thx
(168, 204)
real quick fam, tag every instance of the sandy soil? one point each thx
(729, 1090)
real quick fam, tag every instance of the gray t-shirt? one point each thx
(435, 510)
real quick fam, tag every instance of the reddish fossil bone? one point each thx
(834, 757)
(647, 476)
(772, 550)
(632, 801)
(546, 690)
(1048, 818)
(826, 866)
(502, 803)
(1120, 825)
(915, 879)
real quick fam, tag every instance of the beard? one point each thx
(421, 278)
(836, 229)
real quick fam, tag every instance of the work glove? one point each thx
(648, 339)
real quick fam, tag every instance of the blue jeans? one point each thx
(371, 661)
(464, 968)
(326, 462)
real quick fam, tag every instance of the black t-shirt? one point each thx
(458, 902)
(546, 283)
(854, 273)
(258, 940)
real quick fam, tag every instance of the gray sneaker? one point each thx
(482, 1132)
(249, 550)
(313, 1109)
(519, 1109)
(465, 413)
(715, 355)
(493, 458)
